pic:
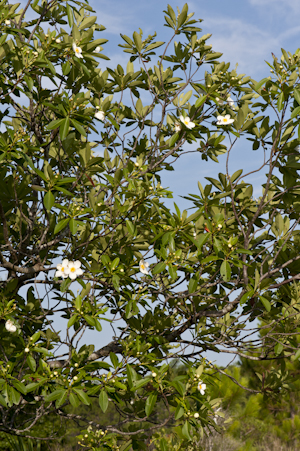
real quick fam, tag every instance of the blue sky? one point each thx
(246, 31)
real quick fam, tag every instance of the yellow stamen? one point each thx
(73, 269)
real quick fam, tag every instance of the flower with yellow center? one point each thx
(77, 50)
(187, 122)
(61, 269)
(201, 387)
(224, 120)
(73, 269)
(143, 267)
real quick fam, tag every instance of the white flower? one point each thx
(97, 49)
(73, 269)
(196, 415)
(9, 325)
(143, 267)
(187, 122)
(100, 115)
(224, 120)
(154, 374)
(77, 50)
(7, 22)
(61, 269)
(230, 102)
(58, 41)
(177, 127)
(201, 387)
(26, 350)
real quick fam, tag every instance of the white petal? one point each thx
(77, 264)
(9, 326)
(79, 272)
(73, 275)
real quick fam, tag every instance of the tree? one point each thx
(82, 154)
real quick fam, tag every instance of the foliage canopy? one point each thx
(82, 150)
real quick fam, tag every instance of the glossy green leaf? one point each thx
(49, 200)
(103, 400)
(225, 271)
(150, 403)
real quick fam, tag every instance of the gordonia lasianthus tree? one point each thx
(82, 149)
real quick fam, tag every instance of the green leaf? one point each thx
(49, 200)
(54, 124)
(257, 279)
(103, 400)
(73, 224)
(114, 359)
(280, 101)
(160, 267)
(64, 128)
(265, 303)
(70, 16)
(57, 394)
(200, 101)
(131, 375)
(193, 283)
(66, 67)
(78, 127)
(82, 396)
(173, 139)
(179, 412)
(138, 41)
(87, 22)
(225, 271)
(185, 431)
(130, 227)
(259, 84)
(19, 386)
(150, 403)
(35, 337)
(295, 112)
(61, 225)
(278, 348)
(31, 363)
(297, 95)
(2, 401)
(72, 320)
(74, 400)
(296, 356)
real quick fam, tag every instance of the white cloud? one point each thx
(242, 43)
(286, 7)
